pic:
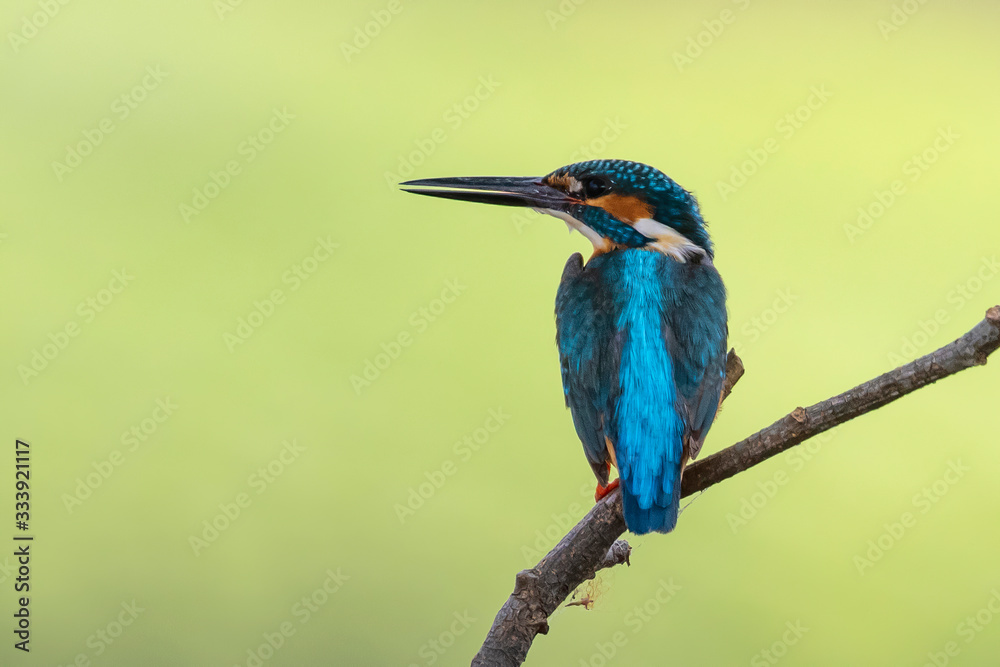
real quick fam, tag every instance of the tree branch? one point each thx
(587, 547)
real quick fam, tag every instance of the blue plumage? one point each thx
(642, 340)
(641, 328)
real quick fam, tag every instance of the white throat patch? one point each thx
(571, 222)
(667, 240)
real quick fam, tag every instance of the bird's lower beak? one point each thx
(502, 190)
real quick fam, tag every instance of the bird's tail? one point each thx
(661, 516)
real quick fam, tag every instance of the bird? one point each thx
(641, 326)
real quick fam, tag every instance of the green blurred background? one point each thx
(370, 378)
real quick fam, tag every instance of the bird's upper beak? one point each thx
(502, 190)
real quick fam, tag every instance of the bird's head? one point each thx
(614, 203)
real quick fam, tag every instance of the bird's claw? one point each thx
(604, 490)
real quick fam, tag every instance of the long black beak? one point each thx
(501, 190)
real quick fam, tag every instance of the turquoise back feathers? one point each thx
(642, 342)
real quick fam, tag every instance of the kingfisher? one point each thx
(641, 326)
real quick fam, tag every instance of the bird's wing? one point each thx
(586, 346)
(696, 330)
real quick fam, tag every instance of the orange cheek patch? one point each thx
(559, 182)
(623, 207)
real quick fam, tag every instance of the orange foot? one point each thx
(604, 490)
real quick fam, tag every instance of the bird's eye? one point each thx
(595, 186)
